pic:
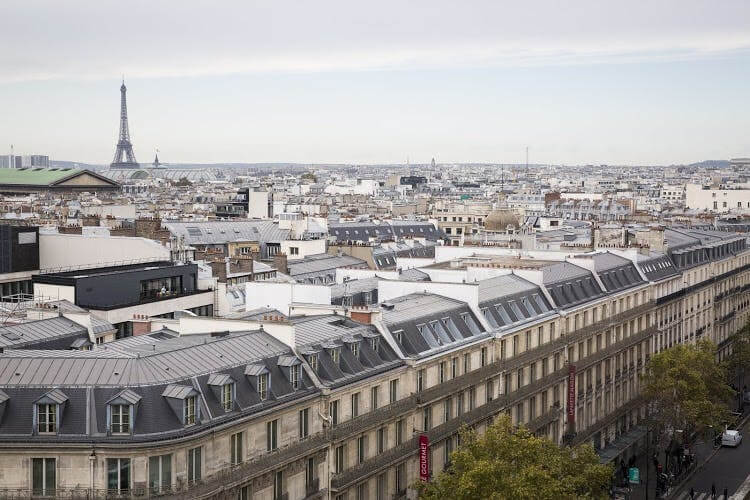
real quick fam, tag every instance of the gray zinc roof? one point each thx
(220, 232)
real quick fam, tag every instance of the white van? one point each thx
(731, 438)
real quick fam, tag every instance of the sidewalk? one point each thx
(702, 450)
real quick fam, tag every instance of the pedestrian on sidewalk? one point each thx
(713, 490)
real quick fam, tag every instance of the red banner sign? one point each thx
(571, 394)
(424, 458)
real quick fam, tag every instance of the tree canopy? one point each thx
(686, 389)
(511, 463)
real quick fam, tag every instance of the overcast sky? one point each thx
(637, 82)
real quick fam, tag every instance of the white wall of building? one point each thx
(56, 292)
(716, 200)
(257, 205)
(299, 249)
(279, 296)
(71, 250)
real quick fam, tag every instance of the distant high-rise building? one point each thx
(24, 161)
(124, 156)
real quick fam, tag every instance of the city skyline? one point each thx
(594, 84)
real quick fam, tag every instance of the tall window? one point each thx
(310, 474)
(400, 429)
(333, 412)
(194, 464)
(374, 397)
(339, 464)
(355, 405)
(447, 409)
(394, 390)
(118, 475)
(263, 386)
(401, 478)
(354, 346)
(226, 396)
(189, 410)
(490, 390)
(304, 423)
(44, 476)
(313, 360)
(381, 439)
(47, 418)
(335, 355)
(427, 418)
(294, 376)
(278, 485)
(441, 372)
(361, 450)
(454, 367)
(272, 435)
(235, 445)
(483, 356)
(120, 419)
(467, 362)
(160, 473)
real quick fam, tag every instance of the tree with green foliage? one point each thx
(508, 462)
(686, 390)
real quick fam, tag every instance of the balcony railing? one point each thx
(589, 432)
(231, 477)
(402, 452)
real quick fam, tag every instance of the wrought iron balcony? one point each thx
(609, 419)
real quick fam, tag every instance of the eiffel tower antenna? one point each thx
(124, 156)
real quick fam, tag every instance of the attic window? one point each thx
(398, 335)
(294, 376)
(335, 354)
(354, 347)
(374, 344)
(313, 360)
(227, 396)
(263, 382)
(189, 410)
(46, 418)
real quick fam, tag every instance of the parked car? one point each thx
(731, 438)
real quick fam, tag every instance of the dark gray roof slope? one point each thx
(424, 324)
(154, 374)
(510, 300)
(52, 333)
(656, 266)
(617, 273)
(360, 348)
(570, 285)
(321, 268)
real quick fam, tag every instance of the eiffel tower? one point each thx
(124, 156)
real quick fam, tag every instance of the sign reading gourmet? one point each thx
(424, 458)
(572, 394)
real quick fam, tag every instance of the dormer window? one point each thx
(189, 410)
(398, 335)
(48, 411)
(227, 399)
(223, 388)
(184, 401)
(121, 411)
(120, 419)
(46, 418)
(263, 386)
(313, 360)
(354, 346)
(374, 344)
(335, 355)
(294, 376)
